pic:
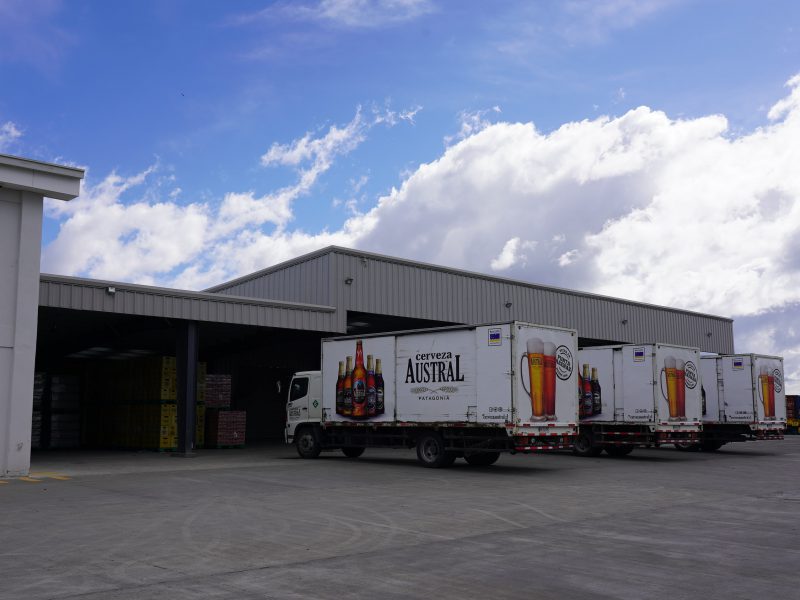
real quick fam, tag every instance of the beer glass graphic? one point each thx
(675, 397)
(537, 375)
(767, 392)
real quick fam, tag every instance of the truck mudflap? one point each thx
(769, 431)
(533, 437)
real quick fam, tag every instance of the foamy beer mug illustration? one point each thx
(674, 372)
(541, 360)
(767, 392)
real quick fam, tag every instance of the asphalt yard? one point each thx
(263, 523)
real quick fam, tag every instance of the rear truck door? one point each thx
(297, 407)
(638, 383)
(737, 398)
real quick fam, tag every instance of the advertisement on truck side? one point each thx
(678, 389)
(546, 361)
(358, 380)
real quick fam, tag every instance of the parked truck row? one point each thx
(474, 392)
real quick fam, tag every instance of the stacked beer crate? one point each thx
(792, 414)
(224, 427)
(39, 386)
(200, 408)
(65, 421)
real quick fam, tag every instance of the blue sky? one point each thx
(222, 137)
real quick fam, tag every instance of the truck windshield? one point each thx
(299, 388)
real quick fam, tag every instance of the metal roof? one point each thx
(77, 293)
(366, 282)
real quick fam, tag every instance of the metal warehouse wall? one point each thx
(306, 281)
(383, 285)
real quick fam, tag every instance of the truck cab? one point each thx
(304, 404)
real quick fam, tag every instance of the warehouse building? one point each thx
(103, 349)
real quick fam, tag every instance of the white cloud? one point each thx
(595, 20)
(470, 123)
(104, 234)
(678, 212)
(9, 133)
(353, 14)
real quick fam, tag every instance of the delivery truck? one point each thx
(637, 395)
(743, 399)
(465, 391)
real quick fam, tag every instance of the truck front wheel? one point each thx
(431, 452)
(307, 442)
(352, 451)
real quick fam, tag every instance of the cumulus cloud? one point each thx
(9, 133)
(106, 234)
(678, 212)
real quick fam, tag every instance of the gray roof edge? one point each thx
(38, 165)
(148, 289)
(403, 261)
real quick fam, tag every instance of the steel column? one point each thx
(188, 341)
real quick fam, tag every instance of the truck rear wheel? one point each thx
(431, 452)
(308, 443)
(711, 446)
(583, 446)
(618, 451)
(482, 459)
(687, 446)
(352, 451)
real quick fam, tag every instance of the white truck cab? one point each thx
(305, 401)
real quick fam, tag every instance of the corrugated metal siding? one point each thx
(309, 280)
(81, 295)
(385, 287)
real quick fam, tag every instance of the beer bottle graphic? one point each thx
(371, 391)
(340, 390)
(379, 400)
(597, 401)
(347, 401)
(359, 384)
(587, 398)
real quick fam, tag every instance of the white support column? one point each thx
(23, 186)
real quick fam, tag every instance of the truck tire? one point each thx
(482, 459)
(431, 452)
(584, 447)
(711, 446)
(687, 446)
(618, 451)
(352, 451)
(307, 442)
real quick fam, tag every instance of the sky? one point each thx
(647, 149)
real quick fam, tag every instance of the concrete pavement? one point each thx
(261, 523)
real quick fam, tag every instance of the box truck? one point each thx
(743, 398)
(637, 395)
(463, 391)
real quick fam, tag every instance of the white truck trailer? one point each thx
(464, 391)
(744, 399)
(637, 395)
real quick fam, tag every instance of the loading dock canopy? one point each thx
(76, 293)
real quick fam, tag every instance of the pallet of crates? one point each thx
(792, 414)
(225, 428)
(39, 388)
(65, 422)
